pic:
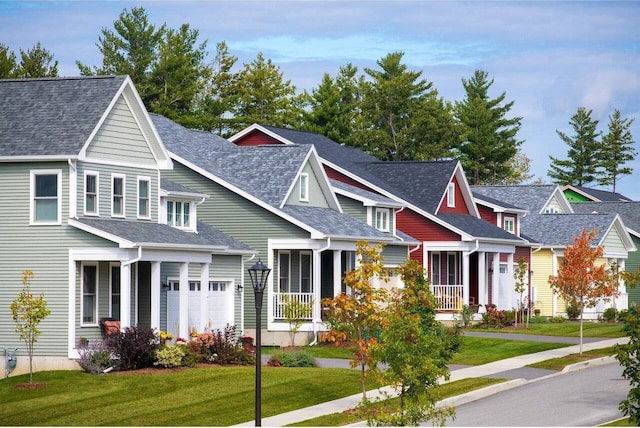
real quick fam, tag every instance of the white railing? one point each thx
(301, 303)
(448, 297)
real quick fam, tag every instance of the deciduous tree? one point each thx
(628, 355)
(581, 280)
(27, 312)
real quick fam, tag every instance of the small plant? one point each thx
(292, 358)
(557, 320)
(165, 336)
(573, 311)
(134, 347)
(467, 315)
(221, 347)
(295, 313)
(609, 315)
(170, 356)
(94, 357)
(493, 318)
(538, 320)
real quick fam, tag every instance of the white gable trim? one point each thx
(256, 127)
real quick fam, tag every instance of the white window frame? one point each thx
(451, 195)
(510, 224)
(96, 194)
(308, 257)
(93, 322)
(112, 267)
(33, 200)
(287, 288)
(140, 199)
(123, 196)
(452, 277)
(435, 268)
(382, 216)
(304, 187)
(171, 208)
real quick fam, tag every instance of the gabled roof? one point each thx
(367, 198)
(533, 198)
(597, 195)
(477, 228)
(265, 175)
(130, 234)
(629, 212)
(56, 118)
(498, 206)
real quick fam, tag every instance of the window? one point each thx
(551, 210)
(144, 202)
(284, 272)
(509, 223)
(217, 286)
(115, 292)
(305, 273)
(89, 305)
(178, 213)
(91, 193)
(435, 268)
(451, 195)
(452, 269)
(45, 197)
(117, 196)
(382, 219)
(304, 187)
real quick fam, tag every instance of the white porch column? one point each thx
(183, 312)
(125, 295)
(495, 279)
(337, 272)
(465, 277)
(317, 286)
(155, 295)
(510, 285)
(482, 278)
(204, 296)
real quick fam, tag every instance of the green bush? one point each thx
(190, 358)
(557, 320)
(573, 311)
(538, 320)
(609, 315)
(292, 358)
(169, 356)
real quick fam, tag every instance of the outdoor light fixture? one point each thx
(258, 274)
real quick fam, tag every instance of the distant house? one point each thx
(279, 200)
(588, 194)
(469, 260)
(550, 224)
(85, 208)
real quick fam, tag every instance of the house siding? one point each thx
(460, 203)
(120, 138)
(612, 243)
(542, 266)
(256, 138)
(352, 207)
(632, 264)
(489, 215)
(316, 195)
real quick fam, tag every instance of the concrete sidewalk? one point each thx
(490, 369)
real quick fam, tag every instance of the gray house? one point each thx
(85, 209)
(279, 200)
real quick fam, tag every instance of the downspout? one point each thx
(137, 259)
(314, 323)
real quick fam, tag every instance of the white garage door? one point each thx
(219, 306)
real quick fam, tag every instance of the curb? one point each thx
(589, 363)
(478, 394)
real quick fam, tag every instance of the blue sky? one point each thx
(550, 57)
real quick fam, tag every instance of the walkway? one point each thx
(508, 368)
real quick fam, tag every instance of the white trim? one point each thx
(303, 184)
(124, 195)
(96, 294)
(96, 174)
(512, 221)
(451, 194)
(32, 195)
(141, 179)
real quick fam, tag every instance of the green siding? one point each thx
(316, 195)
(395, 255)
(120, 139)
(353, 208)
(633, 265)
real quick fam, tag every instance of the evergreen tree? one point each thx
(8, 63)
(37, 62)
(488, 143)
(263, 96)
(616, 151)
(401, 113)
(582, 166)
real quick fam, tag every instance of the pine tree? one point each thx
(581, 167)
(488, 143)
(8, 63)
(616, 151)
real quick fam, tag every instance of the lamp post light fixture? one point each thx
(258, 273)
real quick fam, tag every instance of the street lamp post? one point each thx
(258, 274)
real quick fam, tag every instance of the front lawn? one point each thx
(567, 329)
(215, 396)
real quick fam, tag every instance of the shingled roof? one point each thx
(532, 198)
(54, 116)
(629, 212)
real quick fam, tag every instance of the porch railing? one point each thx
(448, 297)
(299, 303)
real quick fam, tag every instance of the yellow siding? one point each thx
(542, 266)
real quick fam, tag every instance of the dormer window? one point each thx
(451, 195)
(509, 224)
(304, 187)
(179, 214)
(382, 219)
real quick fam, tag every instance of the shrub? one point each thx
(557, 320)
(538, 320)
(609, 315)
(292, 358)
(493, 318)
(509, 318)
(467, 315)
(169, 356)
(94, 357)
(221, 347)
(134, 347)
(190, 357)
(573, 311)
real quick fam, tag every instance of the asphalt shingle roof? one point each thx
(477, 227)
(529, 197)
(561, 229)
(603, 195)
(629, 212)
(53, 116)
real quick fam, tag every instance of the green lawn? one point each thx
(568, 329)
(561, 363)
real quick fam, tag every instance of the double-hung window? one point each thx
(117, 195)
(46, 203)
(89, 302)
(144, 198)
(91, 193)
(382, 219)
(509, 224)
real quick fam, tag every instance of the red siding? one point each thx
(460, 205)
(422, 229)
(488, 214)
(335, 175)
(256, 138)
